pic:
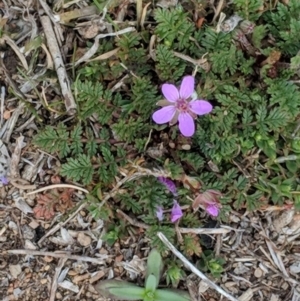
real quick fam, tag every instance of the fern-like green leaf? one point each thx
(76, 144)
(54, 140)
(169, 67)
(174, 27)
(78, 169)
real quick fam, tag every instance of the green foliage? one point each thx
(174, 273)
(132, 53)
(122, 290)
(168, 66)
(154, 266)
(79, 169)
(229, 64)
(143, 99)
(155, 241)
(54, 140)
(129, 130)
(284, 25)
(248, 9)
(93, 99)
(215, 42)
(211, 264)
(191, 245)
(284, 94)
(247, 148)
(111, 236)
(193, 160)
(173, 27)
(258, 34)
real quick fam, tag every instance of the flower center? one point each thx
(182, 105)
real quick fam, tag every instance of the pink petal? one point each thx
(186, 124)
(187, 87)
(164, 115)
(176, 212)
(169, 184)
(170, 92)
(213, 210)
(200, 107)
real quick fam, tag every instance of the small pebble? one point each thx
(48, 258)
(58, 295)
(285, 286)
(83, 239)
(230, 284)
(33, 224)
(186, 147)
(15, 270)
(258, 273)
(44, 281)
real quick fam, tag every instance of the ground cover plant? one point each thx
(243, 76)
(121, 290)
(183, 112)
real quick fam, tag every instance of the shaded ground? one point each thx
(257, 266)
(59, 252)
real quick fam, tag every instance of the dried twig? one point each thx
(15, 158)
(271, 267)
(208, 231)
(21, 184)
(17, 51)
(204, 230)
(61, 263)
(276, 258)
(193, 268)
(12, 121)
(2, 99)
(202, 63)
(105, 55)
(274, 253)
(95, 47)
(58, 255)
(66, 17)
(48, 11)
(132, 221)
(59, 65)
(217, 10)
(57, 186)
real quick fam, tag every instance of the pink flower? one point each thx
(212, 209)
(179, 106)
(209, 200)
(160, 213)
(169, 184)
(176, 212)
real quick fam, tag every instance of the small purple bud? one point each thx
(247, 27)
(160, 213)
(212, 209)
(4, 180)
(209, 201)
(169, 184)
(176, 212)
(238, 35)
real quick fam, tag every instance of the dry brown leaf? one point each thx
(52, 201)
